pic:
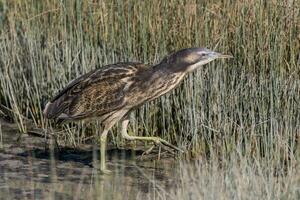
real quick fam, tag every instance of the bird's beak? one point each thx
(219, 55)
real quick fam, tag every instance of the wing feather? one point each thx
(94, 94)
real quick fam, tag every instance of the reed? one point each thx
(248, 106)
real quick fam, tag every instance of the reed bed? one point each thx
(248, 107)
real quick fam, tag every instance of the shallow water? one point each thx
(28, 169)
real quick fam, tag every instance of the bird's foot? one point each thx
(162, 143)
(105, 172)
(148, 151)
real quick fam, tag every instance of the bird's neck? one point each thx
(162, 80)
(153, 83)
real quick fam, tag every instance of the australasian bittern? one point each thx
(111, 92)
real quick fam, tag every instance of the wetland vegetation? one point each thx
(238, 121)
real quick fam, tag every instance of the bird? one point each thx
(110, 93)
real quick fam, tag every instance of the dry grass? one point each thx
(247, 107)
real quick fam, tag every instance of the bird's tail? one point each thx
(53, 110)
(50, 110)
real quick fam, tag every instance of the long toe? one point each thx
(165, 143)
(148, 151)
(105, 172)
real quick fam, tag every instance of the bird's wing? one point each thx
(94, 94)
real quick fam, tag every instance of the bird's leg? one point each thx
(103, 138)
(148, 150)
(156, 140)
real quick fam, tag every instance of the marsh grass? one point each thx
(237, 178)
(247, 106)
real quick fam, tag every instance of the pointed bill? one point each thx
(224, 56)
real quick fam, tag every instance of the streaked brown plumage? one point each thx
(99, 93)
(111, 92)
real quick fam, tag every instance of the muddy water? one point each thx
(30, 169)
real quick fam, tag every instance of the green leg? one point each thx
(156, 140)
(103, 152)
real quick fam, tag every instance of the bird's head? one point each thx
(187, 60)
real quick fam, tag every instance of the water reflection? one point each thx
(28, 170)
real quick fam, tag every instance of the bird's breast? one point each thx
(152, 88)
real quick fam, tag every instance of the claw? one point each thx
(164, 142)
(105, 171)
(148, 151)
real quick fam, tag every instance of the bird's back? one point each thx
(94, 94)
